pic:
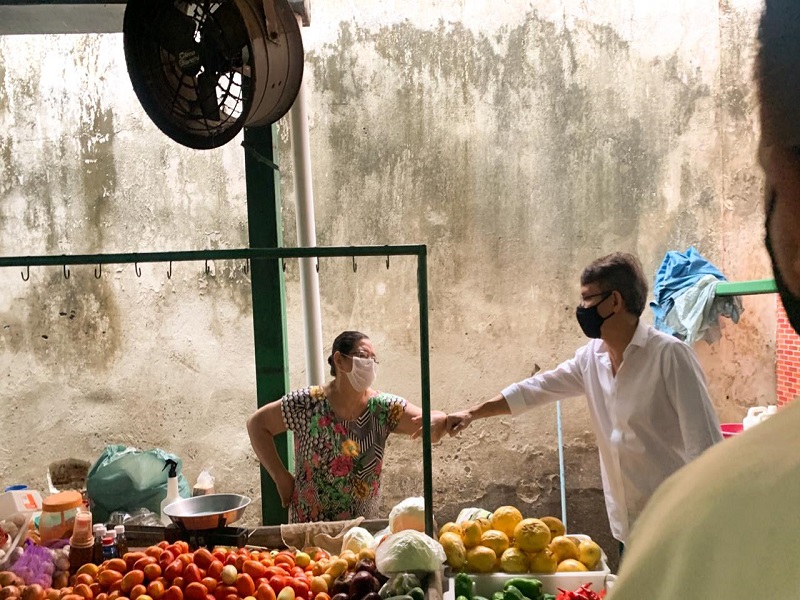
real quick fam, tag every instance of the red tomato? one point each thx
(210, 583)
(195, 591)
(230, 559)
(174, 550)
(173, 593)
(245, 586)
(215, 569)
(276, 572)
(254, 568)
(232, 597)
(152, 572)
(165, 559)
(277, 583)
(155, 589)
(191, 574)
(174, 569)
(300, 587)
(298, 572)
(143, 562)
(219, 554)
(203, 558)
(265, 592)
(163, 544)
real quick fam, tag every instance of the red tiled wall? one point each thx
(787, 359)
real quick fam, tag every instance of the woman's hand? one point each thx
(285, 485)
(438, 426)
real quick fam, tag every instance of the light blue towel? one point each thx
(685, 303)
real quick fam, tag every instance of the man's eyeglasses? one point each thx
(585, 299)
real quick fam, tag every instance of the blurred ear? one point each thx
(619, 301)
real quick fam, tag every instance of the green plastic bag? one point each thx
(126, 479)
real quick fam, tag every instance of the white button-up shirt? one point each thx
(650, 420)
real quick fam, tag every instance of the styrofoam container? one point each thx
(486, 585)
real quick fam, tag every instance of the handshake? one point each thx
(443, 424)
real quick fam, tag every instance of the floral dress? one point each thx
(337, 463)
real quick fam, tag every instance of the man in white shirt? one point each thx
(727, 525)
(647, 395)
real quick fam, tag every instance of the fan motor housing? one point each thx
(203, 69)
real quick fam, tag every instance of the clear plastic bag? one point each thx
(409, 552)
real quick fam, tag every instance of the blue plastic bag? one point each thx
(126, 479)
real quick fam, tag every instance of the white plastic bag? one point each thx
(204, 484)
(357, 539)
(409, 551)
(409, 514)
(470, 514)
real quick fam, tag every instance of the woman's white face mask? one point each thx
(363, 373)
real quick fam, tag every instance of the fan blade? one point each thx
(225, 31)
(174, 31)
(207, 95)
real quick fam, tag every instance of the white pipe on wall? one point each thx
(307, 237)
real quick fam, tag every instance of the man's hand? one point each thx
(438, 426)
(458, 422)
(285, 487)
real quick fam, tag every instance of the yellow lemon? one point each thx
(531, 535)
(514, 560)
(496, 540)
(450, 527)
(485, 524)
(481, 559)
(564, 548)
(589, 554)
(454, 550)
(570, 566)
(556, 526)
(543, 561)
(471, 533)
(505, 519)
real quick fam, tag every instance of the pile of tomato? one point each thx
(172, 572)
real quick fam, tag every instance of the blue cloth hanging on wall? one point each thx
(679, 272)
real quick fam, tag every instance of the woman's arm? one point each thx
(262, 427)
(411, 423)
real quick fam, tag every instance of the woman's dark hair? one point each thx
(345, 343)
(621, 272)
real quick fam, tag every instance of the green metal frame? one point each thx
(746, 288)
(271, 259)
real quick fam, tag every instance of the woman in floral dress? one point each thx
(340, 432)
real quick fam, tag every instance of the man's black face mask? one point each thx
(790, 302)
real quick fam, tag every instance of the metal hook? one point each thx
(317, 265)
(98, 274)
(137, 270)
(207, 269)
(387, 257)
(355, 266)
(283, 264)
(28, 271)
(246, 267)
(169, 273)
(66, 272)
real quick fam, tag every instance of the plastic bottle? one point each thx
(110, 546)
(81, 544)
(122, 541)
(97, 548)
(173, 494)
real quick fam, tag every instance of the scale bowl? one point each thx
(207, 512)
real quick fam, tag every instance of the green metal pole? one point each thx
(269, 299)
(425, 378)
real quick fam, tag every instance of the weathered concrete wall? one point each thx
(518, 141)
